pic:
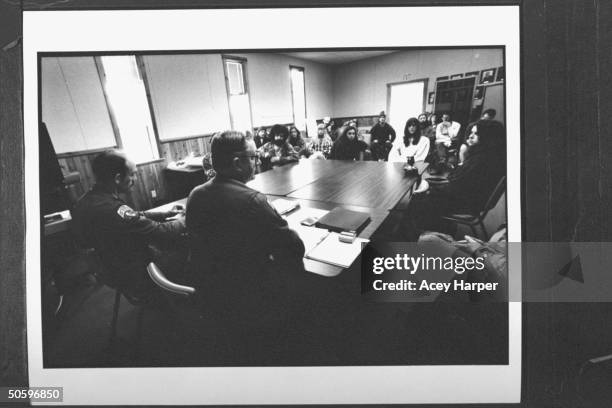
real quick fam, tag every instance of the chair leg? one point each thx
(116, 305)
(484, 231)
(474, 232)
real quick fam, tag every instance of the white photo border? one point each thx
(217, 29)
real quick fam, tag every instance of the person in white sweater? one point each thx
(412, 144)
(447, 133)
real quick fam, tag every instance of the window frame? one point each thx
(245, 78)
(143, 76)
(303, 70)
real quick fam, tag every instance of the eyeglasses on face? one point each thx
(252, 156)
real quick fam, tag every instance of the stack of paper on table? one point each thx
(283, 206)
(334, 252)
(311, 236)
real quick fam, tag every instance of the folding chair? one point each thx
(473, 220)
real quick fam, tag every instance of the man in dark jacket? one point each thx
(120, 235)
(382, 138)
(242, 251)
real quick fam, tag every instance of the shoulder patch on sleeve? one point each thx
(126, 213)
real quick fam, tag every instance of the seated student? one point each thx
(411, 145)
(428, 129)
(348, 146)
(423, 123)
(260, 137)
(447, 132)
(382, 138)
(121, 236)
(471, 140)
(295, 139)
(242, 251)
(468, 186)
(332, 131)
(320, 147)
(278, 151)
(488, 114)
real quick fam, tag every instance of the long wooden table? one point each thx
(362, 183)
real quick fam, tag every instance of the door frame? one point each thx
(424, 99)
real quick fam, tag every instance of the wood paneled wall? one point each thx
(150, 177)
(179, 149)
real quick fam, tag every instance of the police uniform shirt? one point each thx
(119, 234)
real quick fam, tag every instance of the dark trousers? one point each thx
(380, 150)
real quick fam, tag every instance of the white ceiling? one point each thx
(336, 57)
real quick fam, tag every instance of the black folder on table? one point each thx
(340, 219)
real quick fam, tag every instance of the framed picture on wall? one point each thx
(432, 97)
(479, 92)
(487, 76)
(501, 73)
(456, 76)
(472, 73)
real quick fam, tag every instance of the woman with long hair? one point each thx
(411, 145)
(466, 188)
(348, 146)
(295, 139)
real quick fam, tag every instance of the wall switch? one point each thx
(153, 194)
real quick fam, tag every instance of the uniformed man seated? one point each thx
(120, 235)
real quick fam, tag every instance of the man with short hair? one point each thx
(382, 138)
(447, 133)
(121, 235)
(242, 251)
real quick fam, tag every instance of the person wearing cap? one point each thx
(382, 138)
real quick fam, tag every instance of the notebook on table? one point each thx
(340, 219)
(334, 252)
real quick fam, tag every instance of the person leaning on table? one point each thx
(241, 250)
(121, 235)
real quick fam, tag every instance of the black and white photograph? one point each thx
(148, 162)
(207, 208)
(257, 204)
(487, 76)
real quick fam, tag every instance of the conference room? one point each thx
(343, 180)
